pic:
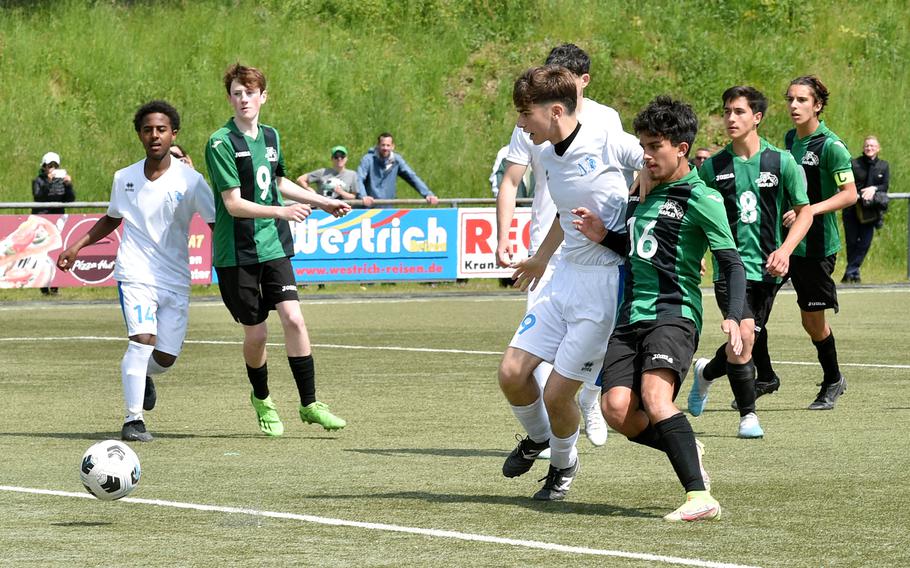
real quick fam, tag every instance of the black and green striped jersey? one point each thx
(756, 194)
(826, 161)
(234, 159)
(669, 233)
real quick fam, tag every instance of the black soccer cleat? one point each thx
(522, 457)
(557, 483)
(828, 394)
(151, 395)
(134, 431)
(762, 388)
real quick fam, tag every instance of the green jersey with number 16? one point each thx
(756, 194)
(234, 159)
(669, 233)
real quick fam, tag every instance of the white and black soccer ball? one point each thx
(110, 470)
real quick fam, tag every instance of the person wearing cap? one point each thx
(336, 181)
(379, 171)
(53, 184)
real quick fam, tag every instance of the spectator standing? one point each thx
(701, 155)
(860, 221)
(336, 182)
(378, 172)
(53, 184)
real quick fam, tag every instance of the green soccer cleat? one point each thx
(699, 506)
(269, 422)
(318, 413)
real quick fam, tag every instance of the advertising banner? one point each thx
(477, 241)
(375, 245)
(30, 244)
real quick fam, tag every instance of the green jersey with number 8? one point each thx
(669, 233)
(234, 159)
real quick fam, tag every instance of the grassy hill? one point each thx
(436, 73)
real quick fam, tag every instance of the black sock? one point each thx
(304, 372)
(760, 357)
(827, 356)
(678, 440)
(742, 381)
(716, 367)
(259, 378)
(648, 437)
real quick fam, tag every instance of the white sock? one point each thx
(589, 396)
(534, 419)
(562, 451)
(542, 373)
(154, 368)
(132, 371)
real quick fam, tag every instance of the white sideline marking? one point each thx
(388, 348)
(396, 528)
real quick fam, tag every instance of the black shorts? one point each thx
(646, 345)
(811, 278)
(759, 300)
(251, 291)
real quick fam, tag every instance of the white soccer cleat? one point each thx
(595, 425)
(749, 427)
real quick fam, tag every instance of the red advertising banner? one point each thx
(477, 241)
(30, 244)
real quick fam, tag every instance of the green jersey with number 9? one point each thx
(234, 159)
(669, 233)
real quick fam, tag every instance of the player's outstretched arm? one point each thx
(293, 191)
(241, 208)
(505, 212)
(102, 228)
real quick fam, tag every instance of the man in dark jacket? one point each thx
(53, 184)
(860, 221)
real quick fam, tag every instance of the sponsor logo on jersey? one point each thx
(271, 154)
(662, 357)
(245, 154)
(671, 209)
(714, 197)
(722, 177)
(810, 159)
(288, 288)
(587, 367)
(216, 143)
(766, 179)
(130, 187)
(587, 165)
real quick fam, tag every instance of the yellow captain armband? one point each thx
(843, 178)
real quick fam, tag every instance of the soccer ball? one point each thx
(110, 470)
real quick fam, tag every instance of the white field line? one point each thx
(383, 348)
(548, 546)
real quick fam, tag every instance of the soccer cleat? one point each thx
(595, 425)
(151, 395)
(749, 427)
(828, 394)
(557, 483)
(698, 396)
(269, 422)
(761, 389)
(544, 454)
(318, 413)
(699, 506)
(134, 431)
(522, 457)
(701, 465)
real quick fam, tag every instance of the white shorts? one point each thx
(570, 323)
(534, 295)
(155, 311)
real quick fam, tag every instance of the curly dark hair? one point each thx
(571, 57)
(152, 107)
(668, 118)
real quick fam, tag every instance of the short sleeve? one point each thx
(839, 162)
(113, 207)
(205, 200)
(519, 148)
(794, 180)
(219, 160)
(709, 213)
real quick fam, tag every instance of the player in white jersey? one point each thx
(523, 153)
(589, 168)
(155, 198)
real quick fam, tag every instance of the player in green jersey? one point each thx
(253, 245)
(830, 186)
(669, 230)
(756, 181)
